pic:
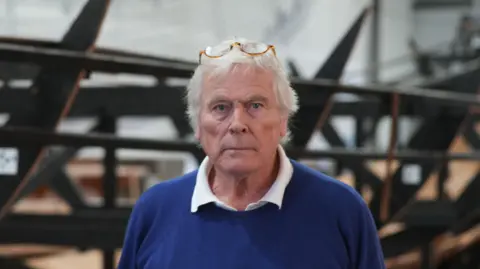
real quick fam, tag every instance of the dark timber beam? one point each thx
(47, 57)
(108, 124)
(30, 137)
(54, 89)
(13, 263)
(434, 96)
(136, 100)
(102, 50)
(95, 62)
(50, 173)
(159, 99)
(103, 230)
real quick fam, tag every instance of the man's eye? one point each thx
(219, 107)
(256, 105)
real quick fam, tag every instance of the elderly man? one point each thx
(248, 205)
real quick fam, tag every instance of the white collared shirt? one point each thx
(202, 194)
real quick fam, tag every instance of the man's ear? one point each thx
(197, 132)
(283, 126)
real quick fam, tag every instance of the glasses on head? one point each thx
(252, 49)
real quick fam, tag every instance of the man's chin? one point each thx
(239, 165)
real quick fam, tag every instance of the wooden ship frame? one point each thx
(432, 224)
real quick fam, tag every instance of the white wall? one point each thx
(396, 27)
(179, 28)
(434, 27)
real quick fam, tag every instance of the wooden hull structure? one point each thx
(62, 210)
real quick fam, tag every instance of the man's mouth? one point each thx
(238, 149)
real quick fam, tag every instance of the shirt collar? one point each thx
(202, 194)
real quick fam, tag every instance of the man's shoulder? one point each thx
(326, 187)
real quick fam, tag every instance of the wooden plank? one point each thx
(46, 205)
(461, 173)
(73, 259)
(444, 247)
(23, 251)
(379, 168)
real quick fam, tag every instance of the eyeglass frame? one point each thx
(239, 45)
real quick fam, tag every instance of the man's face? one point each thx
(240, 123)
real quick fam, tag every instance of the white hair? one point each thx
(286, 97)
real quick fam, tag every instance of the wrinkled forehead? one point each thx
(239, 83)
(237, 76)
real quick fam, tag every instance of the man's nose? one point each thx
(239, 120)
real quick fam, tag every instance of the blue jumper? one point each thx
(323, 224)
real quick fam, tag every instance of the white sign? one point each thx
(411, 174)
(9, 161)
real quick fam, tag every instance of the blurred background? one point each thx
(401, 44)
